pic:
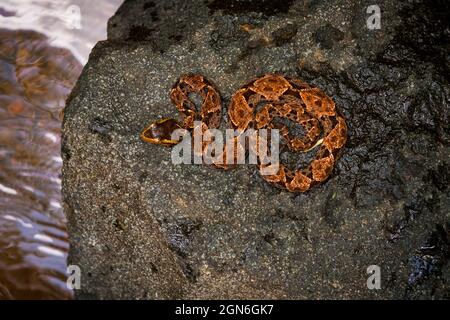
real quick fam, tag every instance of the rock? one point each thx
(327, 36)
(430, 259)
(142, 227)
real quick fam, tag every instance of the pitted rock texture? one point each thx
(141, 227)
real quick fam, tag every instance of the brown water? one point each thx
(38, 69)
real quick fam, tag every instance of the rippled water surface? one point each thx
(43, 45)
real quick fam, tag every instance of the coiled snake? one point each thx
(256, 105)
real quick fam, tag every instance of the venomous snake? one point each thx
(256, 105)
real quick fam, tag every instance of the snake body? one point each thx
(258, 105)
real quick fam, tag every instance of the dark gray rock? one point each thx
(328, 36)
(142, 227)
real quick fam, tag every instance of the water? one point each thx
(43, 46)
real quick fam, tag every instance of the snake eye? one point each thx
(160, 132)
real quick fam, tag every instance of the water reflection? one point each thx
(58, 20)
(35, 79)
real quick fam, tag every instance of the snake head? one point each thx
(160, 132)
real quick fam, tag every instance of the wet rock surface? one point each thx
(142, 227)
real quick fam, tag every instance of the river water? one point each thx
(43, 47)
